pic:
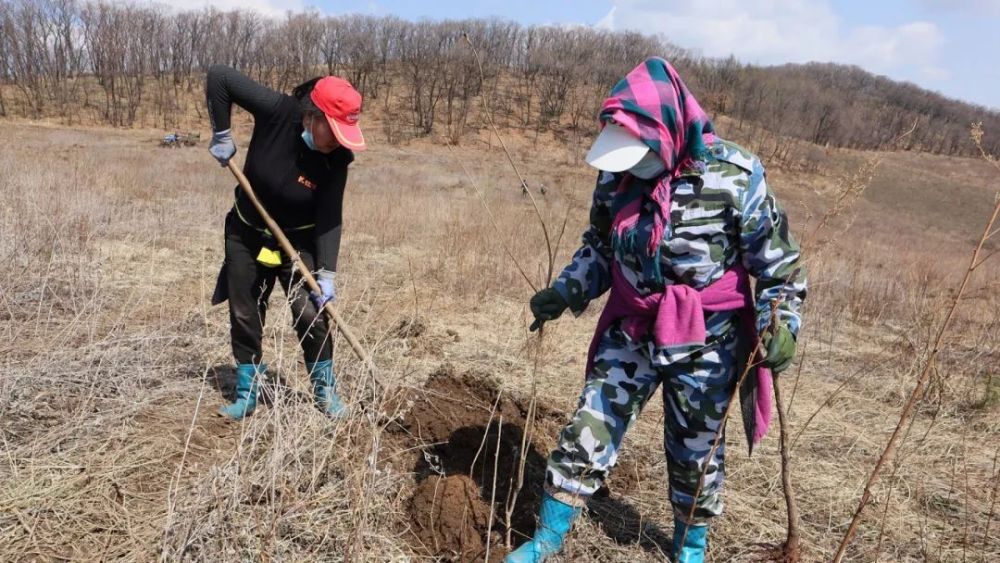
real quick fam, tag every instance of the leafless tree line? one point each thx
(846, 106)
(69, 58)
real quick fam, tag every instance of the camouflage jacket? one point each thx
(718, 217)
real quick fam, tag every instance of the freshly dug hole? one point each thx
(450, 427)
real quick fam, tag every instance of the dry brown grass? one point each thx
(111, 361)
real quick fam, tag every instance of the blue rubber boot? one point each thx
(248, 378)
(554, 521)
(693, 549)
(325, 388)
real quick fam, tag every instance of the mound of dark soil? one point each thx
(449, 517)
(468, 438)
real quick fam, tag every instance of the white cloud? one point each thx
(914, 44)
(781, 31)
(608, 21)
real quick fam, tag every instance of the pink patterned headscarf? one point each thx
(654, 104)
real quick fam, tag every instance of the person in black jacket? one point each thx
(297, 164)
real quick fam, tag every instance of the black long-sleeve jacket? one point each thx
(300, 188)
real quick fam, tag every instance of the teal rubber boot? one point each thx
(248, 378)
(554, 521)
(324, 386)
(693, 548)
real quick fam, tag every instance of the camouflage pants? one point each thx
(696, 389)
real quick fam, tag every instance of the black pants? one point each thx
(249, 284)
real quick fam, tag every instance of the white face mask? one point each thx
(649, 167)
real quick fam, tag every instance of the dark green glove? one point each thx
(546, 305)
(780, 346)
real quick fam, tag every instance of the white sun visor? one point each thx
(615, 149)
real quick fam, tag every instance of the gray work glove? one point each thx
(222, 146)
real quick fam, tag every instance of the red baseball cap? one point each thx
(341, 104)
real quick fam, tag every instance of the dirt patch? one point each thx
(468, 438)
(410, 328)
(420, 339)
(453, 517)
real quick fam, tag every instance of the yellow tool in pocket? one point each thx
(268, 257)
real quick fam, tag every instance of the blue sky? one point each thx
(950, 46)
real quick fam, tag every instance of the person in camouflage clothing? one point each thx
(680, 221)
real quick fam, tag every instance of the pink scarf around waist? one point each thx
(677, 317)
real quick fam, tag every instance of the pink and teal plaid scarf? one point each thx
(654, 104)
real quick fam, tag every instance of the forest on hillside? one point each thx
(79, 61)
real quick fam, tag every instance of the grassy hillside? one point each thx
(112, 364)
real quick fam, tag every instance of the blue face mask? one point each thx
(307, 137)
(649, 167)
